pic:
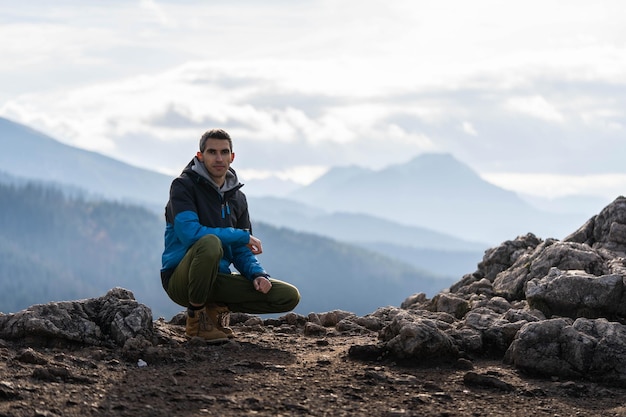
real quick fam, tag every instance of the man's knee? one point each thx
(209, 243)
(289, 296)
(295, 299)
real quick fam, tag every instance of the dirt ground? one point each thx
(269, 371)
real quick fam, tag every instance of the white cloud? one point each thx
(302, 174)
(554, 185)
(469, 129)
(605, 119)
(323, 82)
(535, 106)
(157, 12)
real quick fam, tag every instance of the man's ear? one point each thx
(232, 156)
(199, 156)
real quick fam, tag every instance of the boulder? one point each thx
(607, 230)
(576, 293)
(586, 348)
(410, 335)
(110, 320)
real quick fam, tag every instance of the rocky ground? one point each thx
(545, 306)
(277, 371)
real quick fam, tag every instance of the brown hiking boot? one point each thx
(220, 315)
(199, 324)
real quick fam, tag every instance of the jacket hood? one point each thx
(231, 182)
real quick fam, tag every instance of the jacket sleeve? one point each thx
(247, 263)
(188, 230)
(243, 259)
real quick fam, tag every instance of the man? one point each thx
(208, 229)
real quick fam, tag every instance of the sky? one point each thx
(529, 94)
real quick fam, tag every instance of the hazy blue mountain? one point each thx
(269, 187)
(33, 155)
(445, 263)
(352, 227)
(438, 192)
(334, 275)
(575, 204)
(30, 155)
(422, 248)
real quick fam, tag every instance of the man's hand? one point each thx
(255, 245)
(262, 284)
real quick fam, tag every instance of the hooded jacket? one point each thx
(198, 207)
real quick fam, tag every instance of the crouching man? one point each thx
(207, 230)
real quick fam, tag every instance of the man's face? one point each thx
(217, 158)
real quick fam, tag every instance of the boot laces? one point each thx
(223, 318)
(203, 323)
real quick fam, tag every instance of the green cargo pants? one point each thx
(196, 279)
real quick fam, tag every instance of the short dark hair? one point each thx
(215, 134)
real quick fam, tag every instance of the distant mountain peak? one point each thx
(28, 154)
(442, 163)
(341, 174)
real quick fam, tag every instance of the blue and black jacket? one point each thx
(197, 207)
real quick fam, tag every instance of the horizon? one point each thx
(528, 95)
(286, 185)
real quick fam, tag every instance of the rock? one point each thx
(8, 391)
(28, 355)
(484, 286)
(607, 230)
(412, 336)
(495, 330)
(451, 304)
(370, 322)
(366, 352)
(486, 381)
(313, 329)
(413, 300)
(349, 325)
(108, 320)
(510, 282)
(332, 318)
(595, 349)
(503, 257)
(576, 294)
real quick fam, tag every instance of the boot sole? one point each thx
(208, 341)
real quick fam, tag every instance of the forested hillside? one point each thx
(54, 247)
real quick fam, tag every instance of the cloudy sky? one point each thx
(530, 94)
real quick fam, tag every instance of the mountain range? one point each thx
(30, 154)
(433, 213)
(435, 191)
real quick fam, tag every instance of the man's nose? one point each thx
(219, 156)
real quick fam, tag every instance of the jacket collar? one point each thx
(231, 182)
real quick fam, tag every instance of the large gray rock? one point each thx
(496, 331)
(549, 254)
(411, 335)
(496, 260)
(576, 293)
(607, 230)
(112, 319)
(593, 349)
